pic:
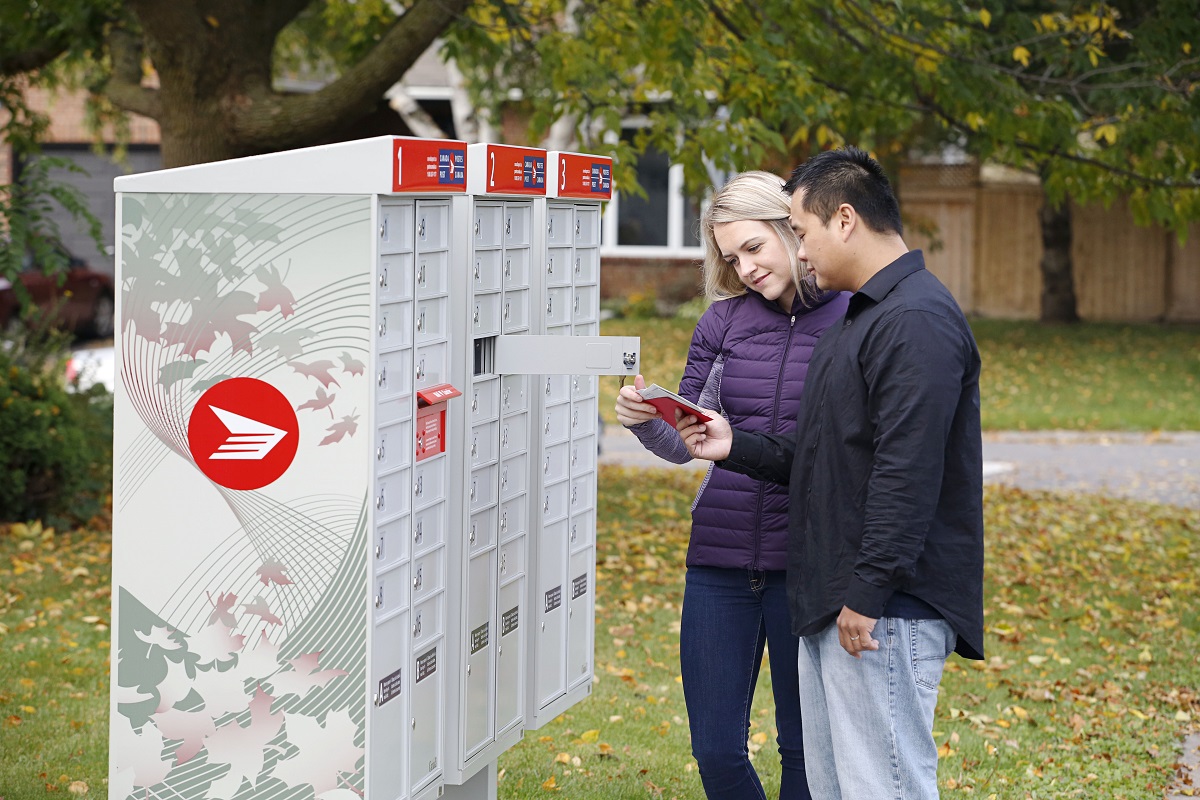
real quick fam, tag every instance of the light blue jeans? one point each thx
(868, 723)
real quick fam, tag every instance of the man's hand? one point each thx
(630, 408)
(854, 632)
(708, 440)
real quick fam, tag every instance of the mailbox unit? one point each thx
(355, 484)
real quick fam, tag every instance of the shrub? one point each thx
(693, 309)
(642, 305)
(55, 447)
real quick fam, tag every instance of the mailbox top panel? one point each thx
(507, 170)
(381, 165)
(578, 176)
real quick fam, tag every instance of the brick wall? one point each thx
(66, 110)
(674, 280)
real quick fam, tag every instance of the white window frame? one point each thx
(676, 210)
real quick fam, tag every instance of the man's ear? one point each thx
(846, 219)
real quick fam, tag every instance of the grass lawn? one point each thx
(1091, 679)
(1092, 376)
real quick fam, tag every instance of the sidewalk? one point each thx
(1158, 467)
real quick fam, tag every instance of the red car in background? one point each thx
(82, 302)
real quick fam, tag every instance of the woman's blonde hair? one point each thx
(753, 195)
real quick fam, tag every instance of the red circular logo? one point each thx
(243, 433)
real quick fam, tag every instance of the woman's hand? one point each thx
(630, 408)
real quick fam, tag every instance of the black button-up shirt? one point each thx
(885, 470)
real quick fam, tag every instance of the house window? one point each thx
(665, 223)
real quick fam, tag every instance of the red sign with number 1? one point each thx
(429, 165)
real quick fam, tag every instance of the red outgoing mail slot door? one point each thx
(431, 419)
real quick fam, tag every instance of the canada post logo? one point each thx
(243, 433)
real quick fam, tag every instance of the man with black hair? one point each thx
(885, 562)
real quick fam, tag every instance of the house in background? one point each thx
(979, 225)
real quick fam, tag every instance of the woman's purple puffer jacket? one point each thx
(749, 360)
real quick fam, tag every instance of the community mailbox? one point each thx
(355, 479)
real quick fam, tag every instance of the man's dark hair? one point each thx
(847, 175)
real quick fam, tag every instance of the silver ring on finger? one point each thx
(853, 638)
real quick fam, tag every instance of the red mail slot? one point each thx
(431, 419)
(436, 394)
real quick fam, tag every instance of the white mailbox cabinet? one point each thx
(355, 466)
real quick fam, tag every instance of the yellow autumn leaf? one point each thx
(77, 787)
(562, 758)
(1106, 133)
(550, 784)
(945, 750)
(1021, 53)
(985, 17)
(1187, 48)
(590, 736)
(1145, 656)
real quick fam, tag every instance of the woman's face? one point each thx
(753, 250)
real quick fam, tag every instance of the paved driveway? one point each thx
(1160, 467)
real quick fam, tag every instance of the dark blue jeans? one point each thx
(728, 617)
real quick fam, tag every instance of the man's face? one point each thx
(820, 246)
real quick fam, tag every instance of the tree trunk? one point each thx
(1058, 283)
(213, 59)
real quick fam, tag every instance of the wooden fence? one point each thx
(982, 237)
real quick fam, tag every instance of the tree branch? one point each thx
(1056, 153)
(278, 14)
(125, 88)
(33, 58)
(299, 118)
(726, 22)
(1077, 85)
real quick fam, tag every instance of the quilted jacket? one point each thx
(748, 359)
